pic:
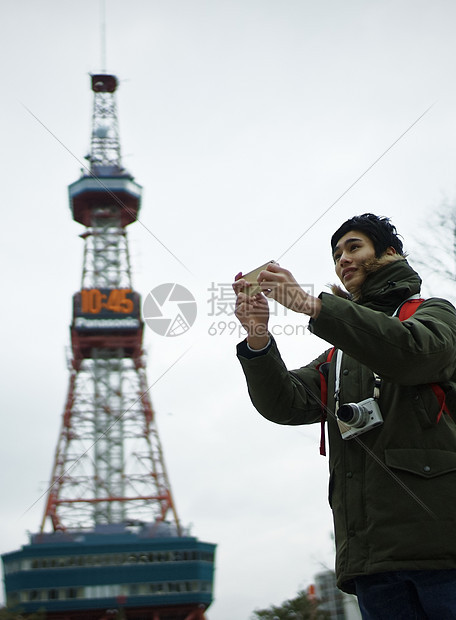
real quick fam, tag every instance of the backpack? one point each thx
(405, 311)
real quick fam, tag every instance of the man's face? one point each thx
(351, 253)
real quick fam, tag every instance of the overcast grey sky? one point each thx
(244, 120)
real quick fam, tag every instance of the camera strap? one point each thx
(377, 381)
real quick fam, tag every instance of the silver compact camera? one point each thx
(357, 418)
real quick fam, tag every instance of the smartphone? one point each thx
(251, 277)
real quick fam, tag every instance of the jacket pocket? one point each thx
(427, 463)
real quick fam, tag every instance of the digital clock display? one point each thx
(117, 300)
(103, 308)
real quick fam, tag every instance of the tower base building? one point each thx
(135, 572)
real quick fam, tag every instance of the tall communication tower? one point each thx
(110, 536)
(109, 465)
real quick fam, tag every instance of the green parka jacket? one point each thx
(392, 490)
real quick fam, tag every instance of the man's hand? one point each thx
(253, 313)
(279, 283)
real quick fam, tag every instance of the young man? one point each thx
(392, 488)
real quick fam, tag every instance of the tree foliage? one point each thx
(434, 252)
(298, 608)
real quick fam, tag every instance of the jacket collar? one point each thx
(387, 287)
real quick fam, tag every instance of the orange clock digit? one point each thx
(113, 301)
(126, 304)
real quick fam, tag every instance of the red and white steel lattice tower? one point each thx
(109, 465)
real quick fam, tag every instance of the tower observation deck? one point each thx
(110, 536)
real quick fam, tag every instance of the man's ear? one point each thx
(390, 251)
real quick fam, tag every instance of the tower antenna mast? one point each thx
(103, 35)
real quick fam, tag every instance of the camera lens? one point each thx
(352, 414)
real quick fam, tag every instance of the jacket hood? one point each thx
(385, 286)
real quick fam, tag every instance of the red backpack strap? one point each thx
(324, 402)
(405, 312)
(408, 308)
(441, 396)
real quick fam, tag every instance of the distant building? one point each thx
(341, 606)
